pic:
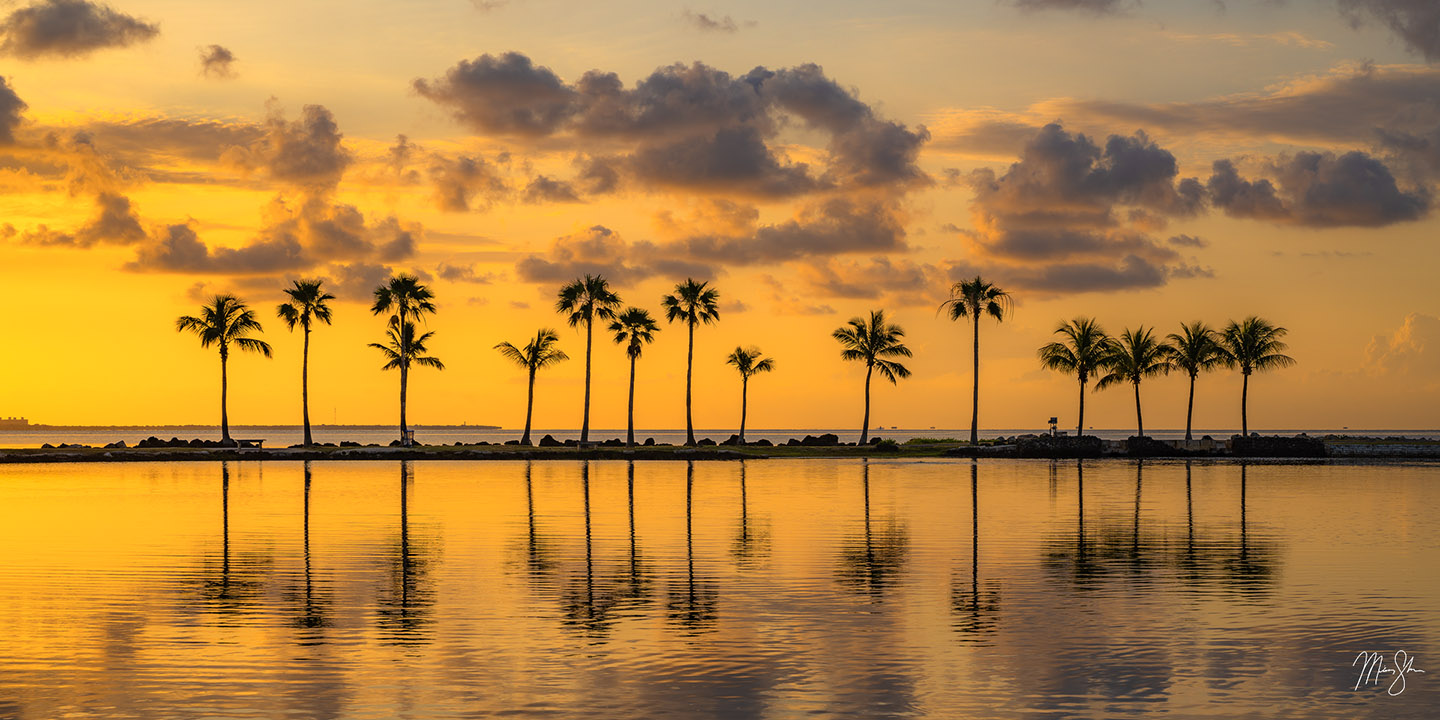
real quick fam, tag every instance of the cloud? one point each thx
(463, 273)
(69, 28)
(1318, 190)
(833, 227)
(597, 250)
(177, 248)
(897, 282)
(716, 24)
(507, 94)
(1412, 351)
(1098, 7)
(305, 154)
(1188, 241)
(545, 189)
(11, 108)
(463, 183)
(217, 62)
(1417, 22)
(733, 160)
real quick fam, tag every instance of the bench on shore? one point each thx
(251, 443)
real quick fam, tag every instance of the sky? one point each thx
(1144, 163)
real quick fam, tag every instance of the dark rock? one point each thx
(512, 442)
(550, 441)
(732, 440)
(792, 442)
(1063, 446)
(614, 442)
(349, 443)
(1145, 446)
(826, 440)
(394, 443)
(1270, 446)
(47, 446)
(762, 442)
(649, 442)
(705, 442)
(875, 441)
(570, 442)
(887, 445)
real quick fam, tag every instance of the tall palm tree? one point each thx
(748, 361)
(633, 328)
(410, 301)
(1080, 352)
(1135, 356)
(586, 299)
(401, 351)
(694, 303)
(973, 298)
(538, 353)
(873, 342)
(1253, 345)
(307, 304)
(1195, 349)
(225, 321)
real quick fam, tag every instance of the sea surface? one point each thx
(283, 435)
(828, 588)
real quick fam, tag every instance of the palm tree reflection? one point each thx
(692, 607)
(874, 561)
(405, 604)
(312, 614)
(751, 544)
(237, 583)
(975, 609)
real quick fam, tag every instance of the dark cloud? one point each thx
(306, 153)
(357, 281)
(11, 107)
(1316, 189)
(1417, 22)
(115, 223)
(734, 160)
(463, 273)
(834, 227)
(598, 176)
(177, 248)
(507, 94)
(465, 183)
(719, 23)
(545, 189)
(598, 250)
(69, 28)
(217, 62)
(1099, 7)
(1188, 241)
(1130, 272)
(1416, 154)
(897, 282)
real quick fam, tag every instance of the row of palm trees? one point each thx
(1084, 350)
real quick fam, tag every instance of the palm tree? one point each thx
(224, 321)
(1195, 349)
(694, 303)
(973, 298)
(1136, 355)
(538, 353)
(403, 350)
(410, 300)
(307, 303)
(1253, 345)
(748, 361)
(873, 341)
(1080, 352)
(635, 327)
(586, 299)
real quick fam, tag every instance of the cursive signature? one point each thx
(1373, 670)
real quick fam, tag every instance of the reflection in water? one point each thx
(238, 582)
(752, 544)
(694, 606)
(312, 611)
(976, 609)
(874, 561)
(1216, 556)
(406, 600)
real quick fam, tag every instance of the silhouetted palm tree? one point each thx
(748, 361)
(411, 301)
(1080, 353)
(586, 299)
(538, 353)
(1195, 349)
(1253, 344)
(224, 321)
(694, 303)
(873, 342)
(403, 350)
(973, 298)
(307, 303)
(1135, 356)
(633, 328)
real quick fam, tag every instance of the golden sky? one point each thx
(1144, 163)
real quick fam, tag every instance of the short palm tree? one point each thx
(410, 301)
(225, 321)
(1080, 353)
(402, 350)
(1134, 356)
(307, 304)
(748, 361)
(585, 299)
(694, 303)
(1195, 349)
(1253, 345)
(973, 298)
(873, 342)
(633, 328)
(538, 353)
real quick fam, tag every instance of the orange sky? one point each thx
(1145, 164)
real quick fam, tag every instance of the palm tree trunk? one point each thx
(975, 392)
(404, 429)
(529, 408)
(865, 424)
(744, 397)
(404, 368)
(689, 369)
(305, 388)
(630, 413)
(224, 387)
(589, 337)
(1080, 424)
(1244, 396)
(1190, 409)
(1139, 419)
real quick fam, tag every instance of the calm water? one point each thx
(776, 588)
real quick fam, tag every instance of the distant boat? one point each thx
(14, 423)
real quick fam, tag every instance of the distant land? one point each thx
(147, 426)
